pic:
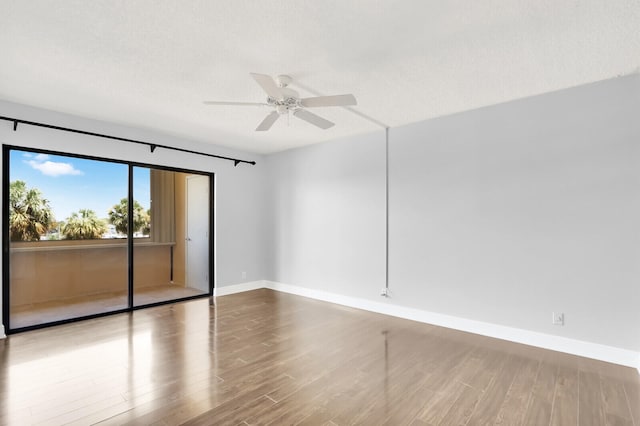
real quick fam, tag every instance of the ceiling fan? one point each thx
(285, 100)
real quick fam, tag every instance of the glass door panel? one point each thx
(160, 244)
(67, 259)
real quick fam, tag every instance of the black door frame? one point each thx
(6, 273)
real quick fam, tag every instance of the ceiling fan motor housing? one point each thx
(283, 80)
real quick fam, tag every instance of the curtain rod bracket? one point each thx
(15, 125)
(153, 148)
(235, 163)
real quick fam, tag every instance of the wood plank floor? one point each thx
(264, 357)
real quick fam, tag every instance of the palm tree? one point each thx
(83, 225)
(146, 228)
(30, 215)
(118, 216)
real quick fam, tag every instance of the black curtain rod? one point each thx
(152, 146)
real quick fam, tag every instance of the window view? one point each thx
(64, 198)
(68, 232)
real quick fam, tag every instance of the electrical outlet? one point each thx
(557, 318)
(244, 275)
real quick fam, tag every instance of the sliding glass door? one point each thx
(167, 264)
(74, 247)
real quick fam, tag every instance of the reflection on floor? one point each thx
(42, 313)
(263, 357)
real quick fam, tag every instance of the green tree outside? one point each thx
(146, 228)
(83, 225)
(141, 218)
(30, 215)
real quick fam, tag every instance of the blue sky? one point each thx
(71, 184)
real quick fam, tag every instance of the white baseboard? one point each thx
(238, 288)
(547, 341)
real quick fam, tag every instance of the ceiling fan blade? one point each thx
(328, 101)
(310, 117)
(268, 85)
(268, 121)
(235, 103)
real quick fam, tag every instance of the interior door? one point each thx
(197, 233)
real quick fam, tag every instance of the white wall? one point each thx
(239, 192)
(509, 213)
(328, 216)
(501, 215)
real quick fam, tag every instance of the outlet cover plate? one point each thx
(558, 318)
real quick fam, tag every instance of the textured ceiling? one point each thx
(151, 63)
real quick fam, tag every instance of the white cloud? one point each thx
(42, 157)
(51, 168)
